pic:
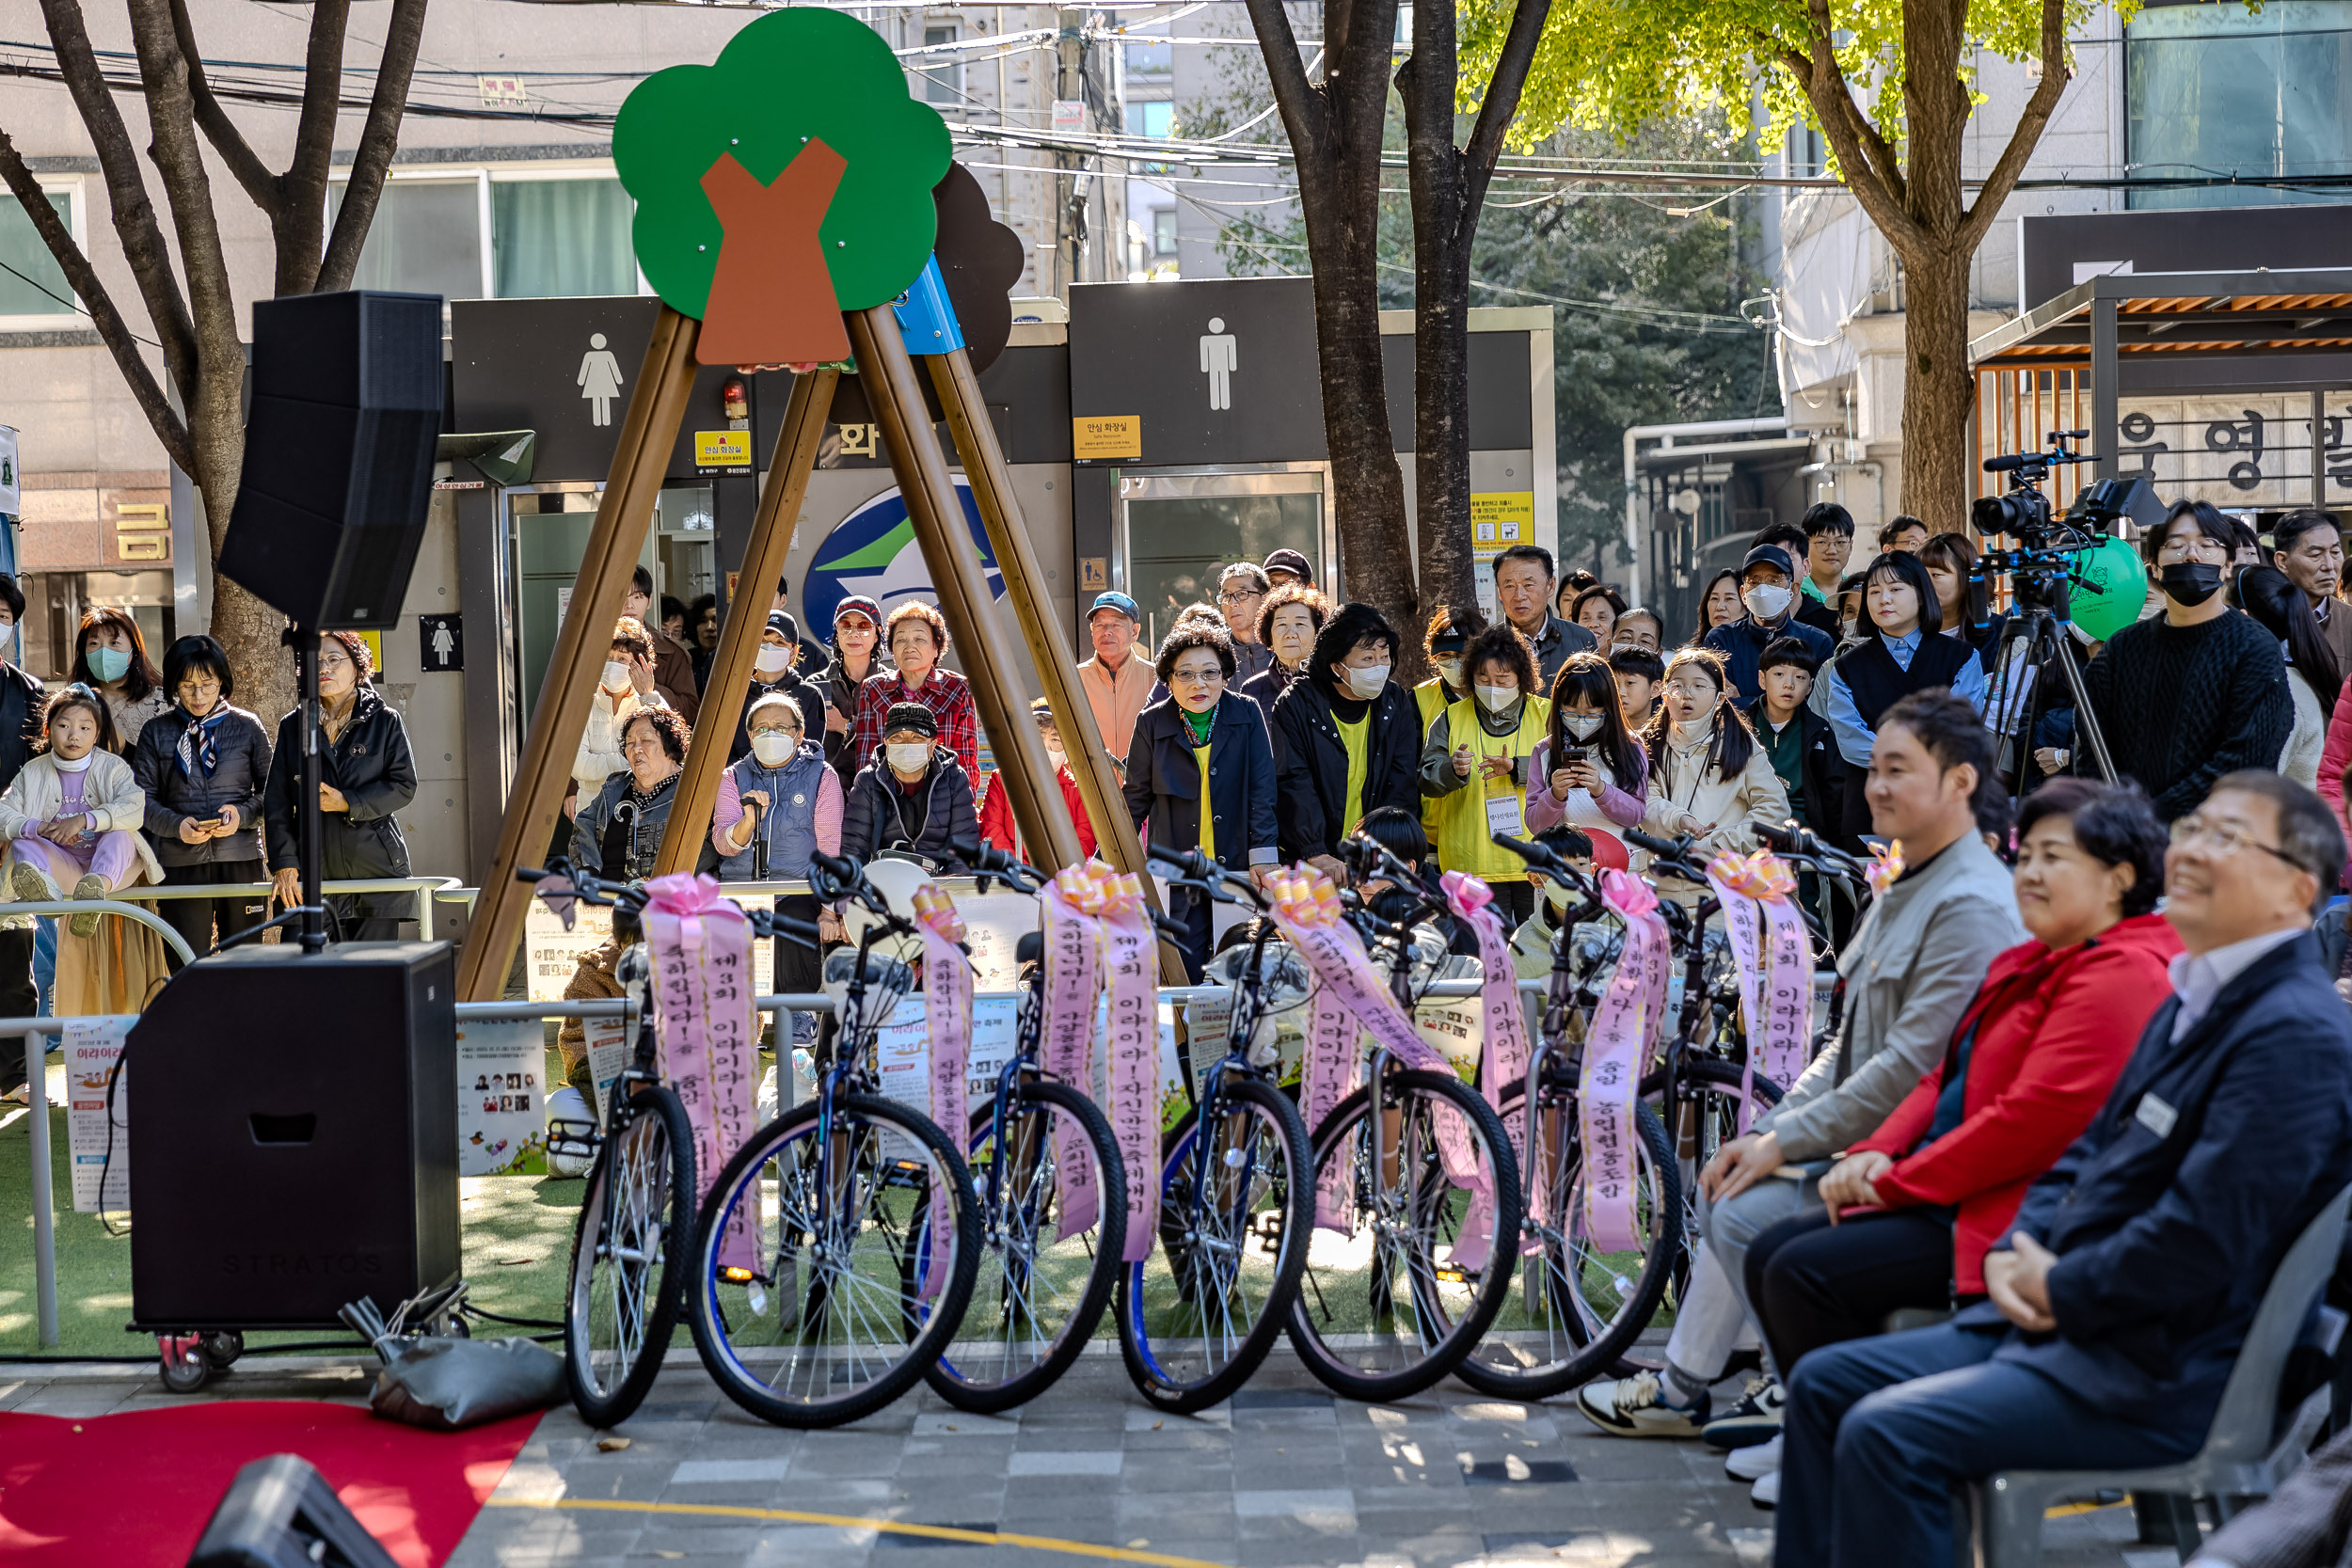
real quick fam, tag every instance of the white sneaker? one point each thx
(1754, 1463)
(1765, 1494)
(1637, 1407)
(568, 1156)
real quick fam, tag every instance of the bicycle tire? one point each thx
(1713, 1083)
(1558, 1340)
(1401, 1278)
(1011, 1243)
(654, 1137)
(901, 1195)
(1153, 1313)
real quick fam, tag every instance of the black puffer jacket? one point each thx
(877, 815)
(374, 768)
(1314, 773)
(236, 780)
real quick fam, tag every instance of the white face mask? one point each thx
(1497, 697)
(1766, 600)
(1364, 684)
(909, 756)
(74, 765)
(775, 748)
(1450, 668)
(1584, 726)
(1691, 730)
(771, 660)
(1056, 756)
(616, 675)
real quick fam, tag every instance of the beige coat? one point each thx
(1682, 781)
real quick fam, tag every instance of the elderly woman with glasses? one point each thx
(366, 774)
(2197, 692)
(618, 832)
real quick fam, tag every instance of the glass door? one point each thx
(1178, 529)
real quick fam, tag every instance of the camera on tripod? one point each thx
(2042, 566)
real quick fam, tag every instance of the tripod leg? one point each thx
(2087, 723)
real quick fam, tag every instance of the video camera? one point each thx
(2042, 567)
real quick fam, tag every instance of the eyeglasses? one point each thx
(2219, 839)
(1197, 677)
(1239, 595)
(2212, 552)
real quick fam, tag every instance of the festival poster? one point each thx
(94, 1054)
(501, 1118)
(993, 925)
(608, 1041)
(902, 1064)
(551, 953)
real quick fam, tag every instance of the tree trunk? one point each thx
(1443, 232)
(1939, 388)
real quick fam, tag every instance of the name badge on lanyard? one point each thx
(1505, 816)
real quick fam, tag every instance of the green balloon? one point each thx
(2111, 588)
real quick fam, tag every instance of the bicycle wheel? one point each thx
(1398, 1294)
(1198, 1316)
(1578, 1307)
(1039, 1294)
(630, 1265)
(1708, 1119)
(840, 1287)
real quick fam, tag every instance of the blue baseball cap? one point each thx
(1121, 602)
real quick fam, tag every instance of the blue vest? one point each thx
(789, 824)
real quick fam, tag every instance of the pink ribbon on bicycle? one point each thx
(1131, 953)
(701, 945)
(1350, 997)
(1774, 958)
(1625, 1028)
(1504, 1056)
(947, 1018)
(1073, 977)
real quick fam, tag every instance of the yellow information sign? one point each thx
(1106, 436)
(723, 448)
(1500, 519)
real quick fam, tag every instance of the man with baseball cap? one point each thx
(1767, 591)
(1116, 683)
(1284, 567)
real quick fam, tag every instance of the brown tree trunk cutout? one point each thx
(771, 299)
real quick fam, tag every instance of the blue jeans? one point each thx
(1879, 1431)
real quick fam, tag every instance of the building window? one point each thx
(426, 238)
(1151, 59)
(2218, 91)
(1150, 119)
(943, 74)
(1805, 158)
(1163, 231)
(31, 282)
(561, 238)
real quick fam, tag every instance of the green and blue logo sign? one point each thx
(872, 551)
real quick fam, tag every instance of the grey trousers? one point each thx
(1708, 1323)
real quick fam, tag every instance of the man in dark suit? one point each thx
(2120, 1301)
(21, 699)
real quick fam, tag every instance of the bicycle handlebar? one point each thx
(1800, 843)
(1195, 870)
(629, 897)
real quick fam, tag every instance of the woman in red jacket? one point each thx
(1913, 1209)
(996, 824)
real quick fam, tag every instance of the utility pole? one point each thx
(1069, 87)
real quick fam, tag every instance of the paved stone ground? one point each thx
(1285, 1477)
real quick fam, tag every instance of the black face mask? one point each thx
(2190, 582)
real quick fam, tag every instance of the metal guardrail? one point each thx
(425, 891)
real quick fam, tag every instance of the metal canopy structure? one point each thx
(2125, 336)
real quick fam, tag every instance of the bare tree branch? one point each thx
(1302, 105)
(378, 139)
(218, 129)
(133, 215)
(1501, 106)
(300, 222)
(116, 333)
(2003, 177)
(179, 156)
(1872, 173)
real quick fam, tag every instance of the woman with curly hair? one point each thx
(916, 638)
(1200, 773)
(366, 773)
(1707, 777)
(1347, 737)
(618, 831)
(1288, 623)
(1476, 765)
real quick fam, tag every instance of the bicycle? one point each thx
(1043, 1283)
(1200, 1313)
(827, 1279)
(627, 1281)
(1406, 1267)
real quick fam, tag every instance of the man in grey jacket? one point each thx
(1910, 972)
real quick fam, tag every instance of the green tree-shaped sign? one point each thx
(788, 182)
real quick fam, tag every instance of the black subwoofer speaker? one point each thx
(297, 1145)
(337, 454)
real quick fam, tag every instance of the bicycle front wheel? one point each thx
(629, 1254)
(1414, 1263)
(1045, 1273)
(1581, 1302)
(832, 1266)
(1198, 1314)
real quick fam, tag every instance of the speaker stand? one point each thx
(309, 853)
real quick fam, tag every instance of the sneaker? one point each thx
(1754, 1462)
(27, 885)
(1753, 1418)
(92, 886)
(1765, 1494)
(1637, 1407)
(570, 1150)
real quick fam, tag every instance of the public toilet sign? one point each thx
(11, 496)
(785, 184)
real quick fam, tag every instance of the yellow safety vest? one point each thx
(1464, 840)
(1429, 697)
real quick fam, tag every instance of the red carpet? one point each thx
(134, 1490)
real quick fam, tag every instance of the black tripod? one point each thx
(2014, 700)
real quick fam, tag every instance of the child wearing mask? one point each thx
(1590, 772)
